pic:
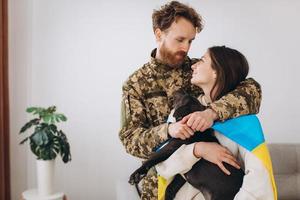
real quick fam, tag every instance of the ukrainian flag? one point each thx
(247, 132)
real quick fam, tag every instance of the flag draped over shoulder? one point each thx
(247, 132)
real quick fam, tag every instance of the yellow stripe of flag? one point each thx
(262, 152)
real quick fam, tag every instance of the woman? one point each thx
(218, 72)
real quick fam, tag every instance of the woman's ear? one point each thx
(158, 34)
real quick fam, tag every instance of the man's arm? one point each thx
(137, 134)
(245, 99)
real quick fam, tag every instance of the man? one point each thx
(147, 94)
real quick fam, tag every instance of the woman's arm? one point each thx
(180, 162)
(256, 183)
(216, 154)
(183, 159)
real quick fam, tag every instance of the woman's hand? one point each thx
(200, 120)
(216, 154)
(180, 130)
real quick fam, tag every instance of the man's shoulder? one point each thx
(139, 76)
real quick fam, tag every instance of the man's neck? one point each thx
(158, 56)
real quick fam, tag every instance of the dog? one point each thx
(204, 175)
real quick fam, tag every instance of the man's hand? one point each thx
(216, 154)
(180, 130)
(200, 120)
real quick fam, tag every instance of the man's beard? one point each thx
(170, 58)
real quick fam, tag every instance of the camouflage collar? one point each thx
(162, 67)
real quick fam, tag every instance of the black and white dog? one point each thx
(204, 175)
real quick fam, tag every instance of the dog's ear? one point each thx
(178, 94)
(178, 97)
(197, 106)
(181, 112)
(185, 104)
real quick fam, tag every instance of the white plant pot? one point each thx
(45, 177)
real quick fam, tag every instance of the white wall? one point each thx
(20, 89)
(76, 54)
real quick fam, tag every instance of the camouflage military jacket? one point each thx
(147, 101)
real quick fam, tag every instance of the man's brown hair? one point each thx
(168, 13)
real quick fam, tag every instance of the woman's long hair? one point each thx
(231, 67)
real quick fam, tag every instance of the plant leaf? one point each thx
(52, 119)
(31, 109)
(47, 142)
(35, 110)
(47, 118)
(56, 118)
(65, 148)
(29, 124)
(51, 109)
(40, 138)
(62, 117)
(53, 128)
(23, 141)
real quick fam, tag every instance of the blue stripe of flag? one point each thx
(245, 130)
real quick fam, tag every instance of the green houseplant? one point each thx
(46, 141)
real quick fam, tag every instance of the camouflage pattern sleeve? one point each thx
(137, 134)
(245, 99)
